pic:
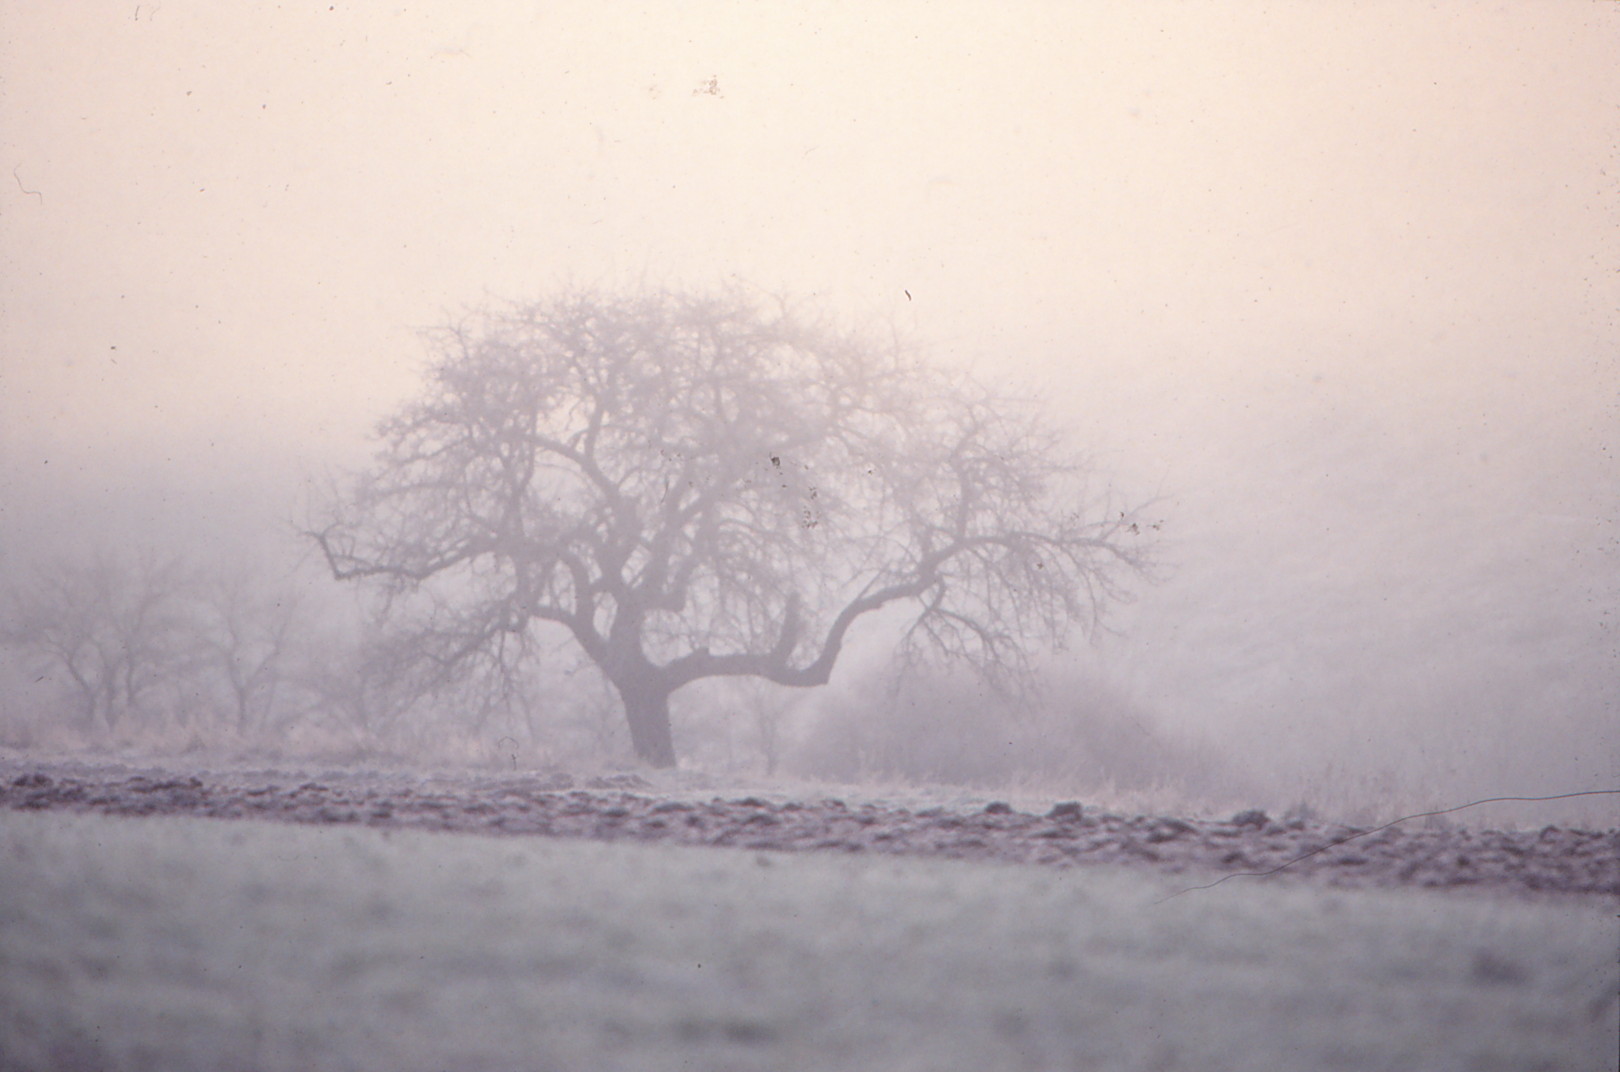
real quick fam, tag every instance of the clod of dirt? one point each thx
(618, 781)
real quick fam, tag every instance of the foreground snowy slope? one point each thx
(181, 943)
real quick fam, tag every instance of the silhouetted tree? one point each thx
(699, 486)
(113, 631)
(356, 683)
(245, 632)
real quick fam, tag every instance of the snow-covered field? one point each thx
(179, 943)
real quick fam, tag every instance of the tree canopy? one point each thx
(713, 485)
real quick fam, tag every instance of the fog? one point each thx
(1333, 286)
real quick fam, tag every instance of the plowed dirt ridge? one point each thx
(624, 807)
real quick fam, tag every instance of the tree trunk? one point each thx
(647, 711)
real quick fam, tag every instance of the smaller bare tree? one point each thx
(246, 631)
(356, 685)
(111, 630)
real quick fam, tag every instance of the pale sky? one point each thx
(1338, 280)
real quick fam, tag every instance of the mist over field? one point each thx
(1329, 289)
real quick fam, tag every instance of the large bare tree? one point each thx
(713, 485)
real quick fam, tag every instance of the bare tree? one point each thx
(700, 486)
(355, 681)
(112, 628)
(245, 631)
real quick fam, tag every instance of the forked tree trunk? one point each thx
(646, 708)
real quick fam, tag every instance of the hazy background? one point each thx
(1337, 282)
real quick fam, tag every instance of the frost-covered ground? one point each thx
(181, 943)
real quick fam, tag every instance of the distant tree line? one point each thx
(170, 650)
